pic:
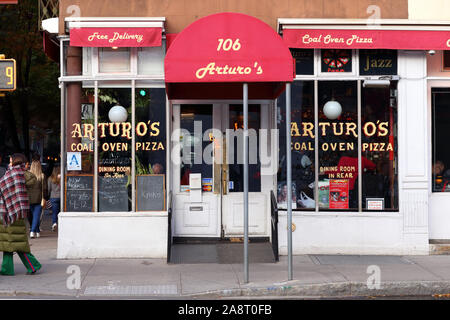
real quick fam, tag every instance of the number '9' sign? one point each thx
(7, 74)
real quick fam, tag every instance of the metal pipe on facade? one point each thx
(289, 178)
(245, 107)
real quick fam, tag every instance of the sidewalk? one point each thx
(314, 276)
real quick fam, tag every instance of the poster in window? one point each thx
(282, 196)
(339, 194)
(336, 60)
(324, 194)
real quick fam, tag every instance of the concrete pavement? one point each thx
(314, 276)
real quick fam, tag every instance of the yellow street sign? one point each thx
(7, 74)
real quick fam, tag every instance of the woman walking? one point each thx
(54, 187)
(37, 198)
(14, 206)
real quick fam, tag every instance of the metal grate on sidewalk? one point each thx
(148, 290)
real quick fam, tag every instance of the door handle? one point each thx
(224, 178)
(224, 167)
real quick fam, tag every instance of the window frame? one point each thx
(341, 76)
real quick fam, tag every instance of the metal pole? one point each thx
(289, 177)
(96, 147)
(316, 144)
(245, 182)
(133, 145)
(359, 148)
(62, 154)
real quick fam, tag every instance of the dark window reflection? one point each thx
(302, 146)
(441, 136)
(193, 144)
(338, 145)
(236, 167)
(379, 147)
(114, 153)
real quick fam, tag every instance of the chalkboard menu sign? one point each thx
(150, 192)
(113, 193)
(377, 62)
(79, 193)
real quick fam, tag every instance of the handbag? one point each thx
(43, 202)
(306, 201)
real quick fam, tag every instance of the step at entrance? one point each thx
(439, 246)
(221, 252)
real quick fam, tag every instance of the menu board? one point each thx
(150, 192)
(79, 193)
(113, 193)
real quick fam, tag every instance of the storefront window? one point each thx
(440, 137)
(304, 61)
(195, 124)
(116, 179)
(151, 60)
(336, 60)
(114, 152)
(338, 145)
(339, 149)
(79, 142)
(150, 160)
(379, 148)
(112, 60)
(235, 166)
(302, 146)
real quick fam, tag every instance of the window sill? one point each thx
(115, 214)
(341, 214)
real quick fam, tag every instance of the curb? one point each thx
(328, 290)
(343, 289)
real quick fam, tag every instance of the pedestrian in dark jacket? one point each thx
(2, 168)
(54, 189)
(14, 207)
(37, 194)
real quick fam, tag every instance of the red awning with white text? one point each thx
(116, 37)
(367, 39)
(213, 56)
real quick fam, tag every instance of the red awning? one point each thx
(115, 37)
(214, 55)
(367, 39)
(51, 47)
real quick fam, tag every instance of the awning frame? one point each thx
(114, 22)
(394, 34)
(366, 24)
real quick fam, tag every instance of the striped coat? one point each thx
(14, 203)
(14, 206)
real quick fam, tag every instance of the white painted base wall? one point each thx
(439, 222)
(112, 235)
(352, 234)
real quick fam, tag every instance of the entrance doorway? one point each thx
(207, 144)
